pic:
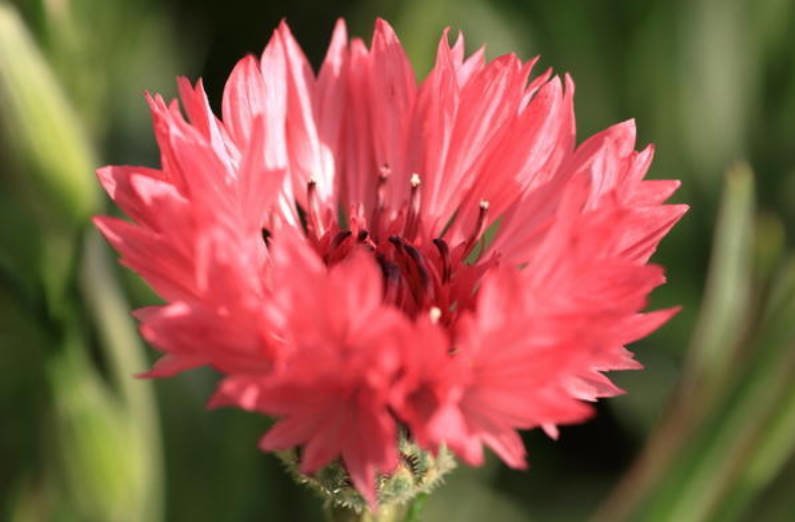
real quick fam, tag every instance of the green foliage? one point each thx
(95, 454)
(41, 126)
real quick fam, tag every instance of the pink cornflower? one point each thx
(362, 255)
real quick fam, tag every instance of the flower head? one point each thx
(367, 257)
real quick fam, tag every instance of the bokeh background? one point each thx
(707, 431)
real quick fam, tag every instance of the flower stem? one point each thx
(388, 513)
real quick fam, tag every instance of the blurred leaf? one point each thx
(744, 438)
(717, 72)
(22, 397)
(20, 247)
(42, 129)
(108, 53)
(732, 425)
(770, 240)
(776, 502)
(420, 24)
(721, 324)
(768, 20)
(724, 309)
(769, 454)
(124, 356)
(468, 500)
(27, 503)
(52, 163)
(93, 442)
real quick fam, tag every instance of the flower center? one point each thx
(419, 275)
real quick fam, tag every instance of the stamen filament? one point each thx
(480, 227)
(380, 200)
(412, 218)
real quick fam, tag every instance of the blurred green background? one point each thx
(707, 431)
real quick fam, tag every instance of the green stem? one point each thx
(389, 513)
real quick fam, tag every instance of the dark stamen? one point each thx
(363, 237)
(414, 266)
(391, 273)
(266, 237)
(396, 242)
(340, 238)
(444, 252)
(422, 268)
(337, 248)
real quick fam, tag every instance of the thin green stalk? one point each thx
(724, 312)
(770, 454)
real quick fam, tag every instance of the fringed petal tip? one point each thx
(651, 321)
(267, 443)
(220, 399)
(106, 179)
(169, 365)
(242, 392)
(105, 225)
(384, 28)
(551, 430)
